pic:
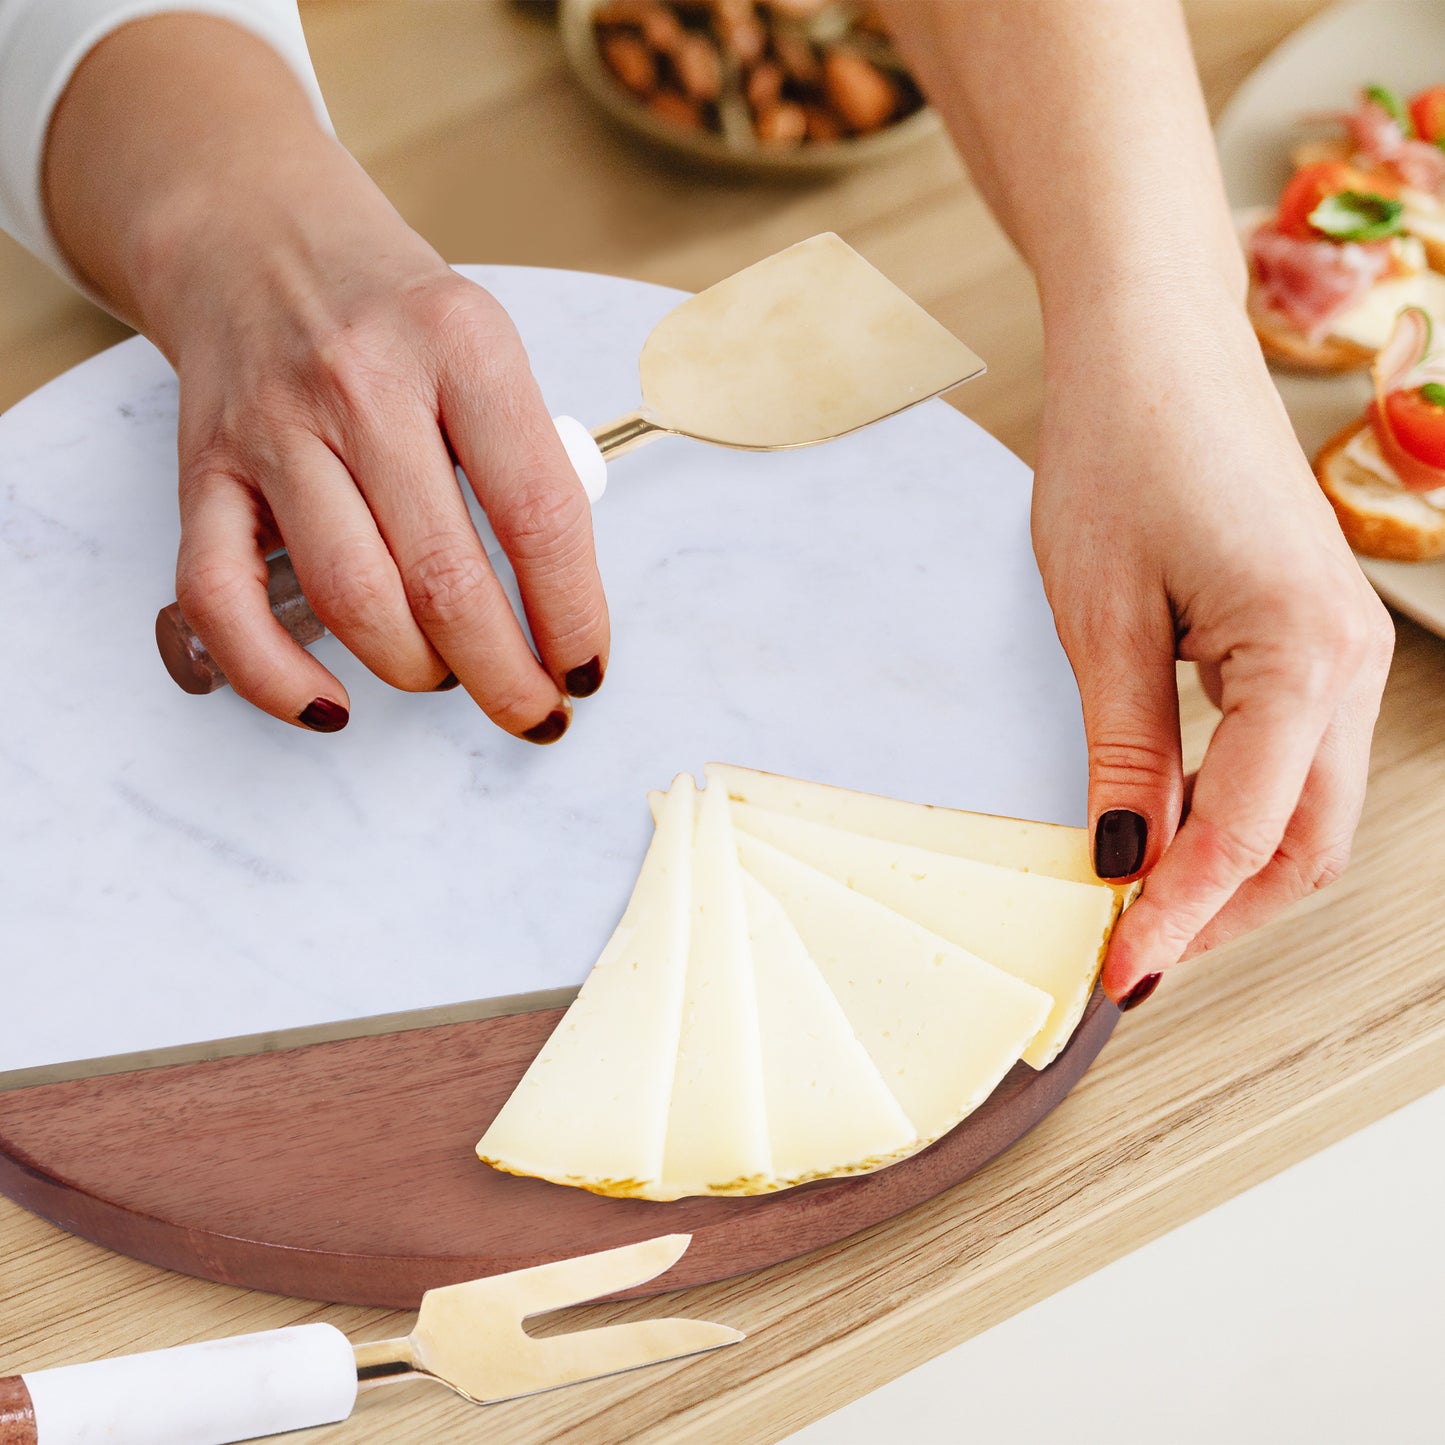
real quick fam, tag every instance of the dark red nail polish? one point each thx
(325, 716)
(550, 728)
(447, 683)
(1139, 992)
(585, 680)
(1120, 840)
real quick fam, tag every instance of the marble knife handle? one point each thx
(195, 671)
(207, 1394)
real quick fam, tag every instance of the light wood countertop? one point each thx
(1242, 1063)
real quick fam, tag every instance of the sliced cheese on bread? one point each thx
(1051, 933)
(592, 1109)
(717, 1131)
(1371, 320)
(941, 1026)
(829, 1110)
(1048, 848)
(1358, 332)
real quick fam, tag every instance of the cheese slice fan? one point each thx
(1049, 932)
(941, 1026)
(1048, 848)
(717, 1131)
(829, 1111)
(804, 346)
(592, 1108)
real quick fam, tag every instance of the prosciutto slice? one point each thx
(1401, 364)
(1376, 137)
(1310, 282)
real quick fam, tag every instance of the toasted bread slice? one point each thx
(1379, 518)
(1285, 346)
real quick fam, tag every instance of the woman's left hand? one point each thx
(1175, 517)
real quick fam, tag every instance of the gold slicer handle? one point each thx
(386, 1362)
(195, 670)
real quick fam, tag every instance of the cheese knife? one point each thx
(467, 1336)
(804, 346)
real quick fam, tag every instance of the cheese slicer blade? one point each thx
(802, 347)
(469, 1337)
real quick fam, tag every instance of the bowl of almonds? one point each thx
(793, 85)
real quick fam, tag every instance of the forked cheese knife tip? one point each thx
(469, 1337)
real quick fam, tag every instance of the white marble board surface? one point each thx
(177, 869)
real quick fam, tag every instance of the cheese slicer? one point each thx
(467, 1336)
(807, 345)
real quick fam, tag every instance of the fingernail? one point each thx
(550, 728)
(1139, 992)
(1120, 838)
(325, 716)
(585, 680)
(447, 683)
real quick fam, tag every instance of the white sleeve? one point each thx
(42, 42)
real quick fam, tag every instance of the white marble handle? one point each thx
(208, 1394)
(584, 454)
(587, 461)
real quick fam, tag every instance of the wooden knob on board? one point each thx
(196, 671)
(17, 1414)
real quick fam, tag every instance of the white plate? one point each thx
(1399, 43)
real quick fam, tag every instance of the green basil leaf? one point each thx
(1357, 216)
(1434, 393)
(1389, 102)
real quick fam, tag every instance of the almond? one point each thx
(630, 61)
(781, 125)
(698, 67)
(675, 109)
(861, 94)
(764, 85)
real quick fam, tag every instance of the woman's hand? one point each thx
(328, 359)
(331, 368)
(1175, 516)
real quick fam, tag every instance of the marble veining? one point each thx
(178, 869)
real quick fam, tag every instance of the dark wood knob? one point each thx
(17, 1414)
(196, 671)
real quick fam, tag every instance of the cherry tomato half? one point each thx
(1427, 111)
(1308, 187)
(1418, 422)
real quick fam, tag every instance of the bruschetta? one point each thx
(1400, 146)
(1385, 473)
(1331, 268)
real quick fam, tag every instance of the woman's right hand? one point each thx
(331, 367)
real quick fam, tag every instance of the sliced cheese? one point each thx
(717, 1130)
(592, 1109)
(1050, 932)
(1424, 216)
(1371, 320)
(942, 1026)
(1048, 848)
(829, 1110)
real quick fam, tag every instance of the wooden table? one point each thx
(1242, 1064)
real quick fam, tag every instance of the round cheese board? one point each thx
(272, 986)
